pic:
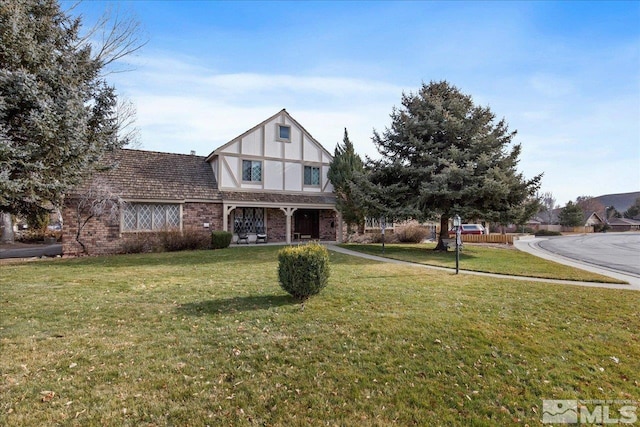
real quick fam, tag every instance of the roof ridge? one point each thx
(162, 152)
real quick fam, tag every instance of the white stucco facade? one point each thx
(269, 165)
(283, 160)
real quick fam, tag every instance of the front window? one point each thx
(311, 175)
(252, 170)
(249, 220)
(150, 217)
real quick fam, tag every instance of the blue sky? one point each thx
(565, 75)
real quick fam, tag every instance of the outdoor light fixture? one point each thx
(457, 226)
(457, 222)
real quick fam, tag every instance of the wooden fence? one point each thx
(489, 238)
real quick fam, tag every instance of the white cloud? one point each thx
(185, 106)
(181, 107)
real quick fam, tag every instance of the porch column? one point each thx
(288, 213)
(226, 210)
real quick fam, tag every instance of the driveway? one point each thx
(21, 250)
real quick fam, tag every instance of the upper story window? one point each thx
(144, 216)
(284, 133)
(252, 170)
(311, 175)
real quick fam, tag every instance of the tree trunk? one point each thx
(7, 228)
(444, 233)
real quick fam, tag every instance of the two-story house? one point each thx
(271, 179)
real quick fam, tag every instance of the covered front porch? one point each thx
(282, 223)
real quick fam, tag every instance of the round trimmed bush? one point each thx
(303, 270)
(220, 239)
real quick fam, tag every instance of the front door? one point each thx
(307, 224)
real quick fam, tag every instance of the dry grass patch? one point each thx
(209, 338)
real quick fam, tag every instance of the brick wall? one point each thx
(328, 225)
(276, 225)
(102, 236)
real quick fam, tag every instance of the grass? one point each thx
(209, 338)
(488, 259)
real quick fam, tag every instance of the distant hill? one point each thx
(621, 202)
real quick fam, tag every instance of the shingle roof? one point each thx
(623, 221)
(139, 174)
(238, 196)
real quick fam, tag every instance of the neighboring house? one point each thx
(544, 219)
(271, 179)
(592, 219)
(624, 224)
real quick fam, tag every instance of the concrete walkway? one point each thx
(634, 282)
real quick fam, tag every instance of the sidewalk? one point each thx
(634, 283)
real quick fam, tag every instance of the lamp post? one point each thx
(383, 225)
(456, 224)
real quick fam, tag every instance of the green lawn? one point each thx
(209, 338)
(488, 259)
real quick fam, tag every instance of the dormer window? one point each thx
(284, 133)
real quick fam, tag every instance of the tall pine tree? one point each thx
(571, 215)
(344, 169)
(444, 156)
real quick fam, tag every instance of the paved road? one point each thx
(615, 251)
(29, 251)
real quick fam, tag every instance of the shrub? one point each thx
(220, 239)
(303, 270)
(140, 243)
(412, 233)
(547, 233)
(187, 240)
(374, 236)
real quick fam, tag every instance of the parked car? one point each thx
(469, 229)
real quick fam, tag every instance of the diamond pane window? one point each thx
(144, 217)
(173, 216)
(248, 220)
(311, 175)
(256, 171)
(252, 170)
(140, 217)
(129, 217)
(159, 217)
(246, 170)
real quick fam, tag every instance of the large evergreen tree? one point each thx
(444, 156)
(346, 165)
(571, 215)
(58, 115)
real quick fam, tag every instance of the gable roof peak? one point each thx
(262, 123)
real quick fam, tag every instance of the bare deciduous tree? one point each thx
(548, 205)
(99, 201)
